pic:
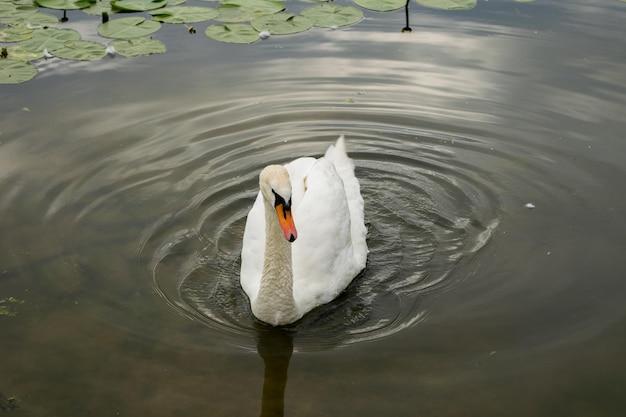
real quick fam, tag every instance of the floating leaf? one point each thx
(138, 5)
(14, 72)
(282, 23)
(329, 15)
(137, 47)
(12, 10)
(233, 33)
(18, 53)
(381, 5)
(49, 39)
(64, 4)
(246, 10)
(96, 9)
(80, 51)
(31, 21)
(15, 34)
(184, 14)
(448, 4)
(128, 27)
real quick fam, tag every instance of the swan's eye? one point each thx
(278, 200)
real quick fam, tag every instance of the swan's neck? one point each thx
(274, 303)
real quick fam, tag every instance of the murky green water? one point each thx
(124, 186)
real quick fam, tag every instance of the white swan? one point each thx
(304, 240)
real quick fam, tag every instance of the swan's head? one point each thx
(276, 189)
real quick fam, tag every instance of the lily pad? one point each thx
(18, 53)
(137, 47)
(80, 50)
(128, 27)
(15, 72)
(329, 15)
(49, 39)
(282, 23)
(138, 5)
(233, 33)
(64, 4)
(233, 11)
(96, 9)
(16, 10)
(15, 34)
(184, 14)
(448, 4)
(31, 21)
(381, 5)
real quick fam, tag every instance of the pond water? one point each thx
(490, 148)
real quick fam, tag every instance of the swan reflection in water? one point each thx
(275, 346)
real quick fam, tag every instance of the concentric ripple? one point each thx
(426, 211)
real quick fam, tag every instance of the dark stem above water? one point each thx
(407, 27)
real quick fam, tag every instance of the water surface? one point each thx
(124, 186)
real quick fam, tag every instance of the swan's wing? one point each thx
(345, 169)
(323, 261)
(253, 249)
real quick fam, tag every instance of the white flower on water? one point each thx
(264, 35)
(529, 206)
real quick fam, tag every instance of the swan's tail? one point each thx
(337, 154)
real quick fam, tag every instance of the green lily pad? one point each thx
(49, 39)
(80, 50)
(138, 5)
(31, 21)
(233, 11)
(18, 53)
(137, 47)
(184, 14)
(64, 4)
(10, 3)
(448, 4)
(11, 9)
(15, 72)
(15, 34)
(233, 33)
(282, 23)
(128, 27)
(381, 5)
(96, 9)
(329, 15)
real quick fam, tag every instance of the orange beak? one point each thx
(285, 219)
